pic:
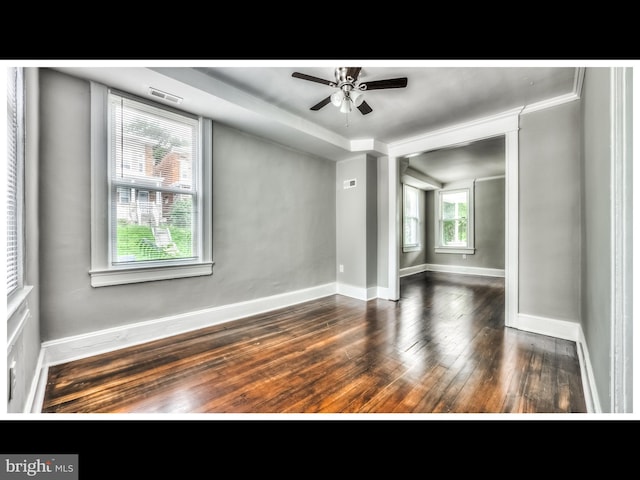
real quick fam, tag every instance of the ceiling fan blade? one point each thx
(311, 78)
(390, 83)
(365, 108)
(321, 104)
(353, 72)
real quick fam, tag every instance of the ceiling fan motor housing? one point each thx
(346, 82)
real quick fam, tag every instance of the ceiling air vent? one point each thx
(164, 95)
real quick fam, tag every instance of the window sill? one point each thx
(105, 278)
(16, 299)
(411, 249)
(458, 250)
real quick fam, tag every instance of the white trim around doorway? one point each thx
(504, 124)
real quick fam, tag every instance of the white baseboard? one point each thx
(383, 293)
(360, 293)
(38, 386)
(588, 379)
(81, 346)
(460, 269)
(566, 331)
(548, 326)
(405, 272)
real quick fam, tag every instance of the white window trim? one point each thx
(17, 296)
(417, 247)
(456, 187)
(102, 272)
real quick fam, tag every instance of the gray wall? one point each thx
(357, 222)
(489, 208)
(273, 228)
(351, 223)
(550, 225)
(596, 237)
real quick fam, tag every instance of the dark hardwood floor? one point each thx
(442, 347)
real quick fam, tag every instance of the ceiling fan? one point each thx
(349, 91)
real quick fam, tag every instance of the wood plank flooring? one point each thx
(442, 348)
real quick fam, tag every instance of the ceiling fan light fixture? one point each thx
(337, 98)
(356, 97)
(346, 106)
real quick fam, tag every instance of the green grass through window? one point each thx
(136, 243)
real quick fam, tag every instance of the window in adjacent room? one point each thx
(454, 220)
(152, 186)
(411, 219)
(15, 183)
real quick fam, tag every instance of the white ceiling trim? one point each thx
(420, 180)
(551, 102)
(578, 81)
(369, 145)
(485, 127)
(232, 106)
(559, 100)
(486, 179)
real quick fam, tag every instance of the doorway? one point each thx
(458, 210)
(504, 125)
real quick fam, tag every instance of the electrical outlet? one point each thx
(341, 268)
(464, 256)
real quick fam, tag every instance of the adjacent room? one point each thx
(309, 238)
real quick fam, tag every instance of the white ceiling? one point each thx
(267, 101)
(480, 159)
(434, 97)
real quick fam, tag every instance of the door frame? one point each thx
(504, 124)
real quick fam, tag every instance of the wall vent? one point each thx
(164, 95)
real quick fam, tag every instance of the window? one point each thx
(152, 221)
(124, 195)
(15, 166)
(454, 220)
(411, 219)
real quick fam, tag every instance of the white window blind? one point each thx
(154, 187)
(15, 149)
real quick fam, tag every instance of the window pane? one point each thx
(454, 233)
(454, 218)
(145, 241)
(410, 202)
(152, 153)
(411, 231)
(152, 145)
(454, 205)
(410, 217)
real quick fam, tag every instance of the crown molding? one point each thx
(578, 80)
(484, 127)
(369, 145)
